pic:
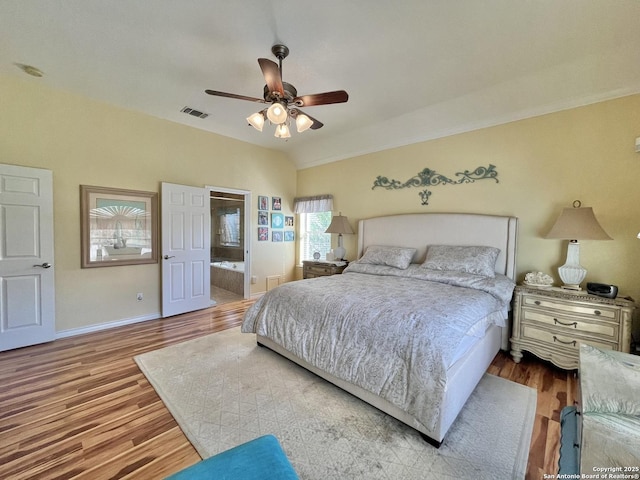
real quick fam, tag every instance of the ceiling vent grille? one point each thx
(194, 112)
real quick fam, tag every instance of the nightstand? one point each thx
(313, 268)
(552, 322)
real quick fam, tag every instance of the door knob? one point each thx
(167, 257)
(44, 265)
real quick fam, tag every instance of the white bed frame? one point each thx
(419, 231)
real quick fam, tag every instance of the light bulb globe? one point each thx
(303, 122)
(277, 113)
(256, 120)
(282, 131)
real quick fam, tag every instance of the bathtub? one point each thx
(229, 265)
(228, 275)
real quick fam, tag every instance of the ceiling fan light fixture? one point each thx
(281, 99)
(303, 122)
(282, 131)
(256, 120)
(277, 113)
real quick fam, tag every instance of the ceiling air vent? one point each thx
(194, 112)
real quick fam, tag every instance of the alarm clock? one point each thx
(316, 255)
(602, 289)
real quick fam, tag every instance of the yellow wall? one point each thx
(86, 142)
(543, 164)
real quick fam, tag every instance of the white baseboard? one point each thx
(105, 326)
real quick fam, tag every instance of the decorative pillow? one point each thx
(458, 258)
(399, 257)
(609, 383)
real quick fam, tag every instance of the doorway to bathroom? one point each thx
(229, 244)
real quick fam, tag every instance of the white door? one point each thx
(186, 241)
(27, 295)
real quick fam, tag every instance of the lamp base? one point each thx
(572, 273)
(339, 253)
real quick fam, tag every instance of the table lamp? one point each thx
(339, 224)
(573, 224)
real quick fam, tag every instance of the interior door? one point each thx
(27, 289)
(186, 249)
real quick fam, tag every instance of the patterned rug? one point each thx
(224, 390)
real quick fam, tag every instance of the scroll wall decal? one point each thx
(431, 178)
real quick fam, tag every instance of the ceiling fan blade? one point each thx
(338, 96)
(272, 75)
(233, 95)
(316, 123)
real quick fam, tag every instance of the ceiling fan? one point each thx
(283, 99)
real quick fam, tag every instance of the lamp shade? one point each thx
(256, 120)
(577, 224)
(303, 122)
(339, 224)
(277, 113)
(282, 131)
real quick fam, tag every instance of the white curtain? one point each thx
(316, 204)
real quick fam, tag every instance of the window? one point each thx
(312, 236)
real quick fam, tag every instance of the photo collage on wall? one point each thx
(281, 225)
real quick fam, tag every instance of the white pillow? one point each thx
(478, 260)
(398, 257)
(609, 385)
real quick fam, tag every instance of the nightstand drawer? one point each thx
(571, 307)
(312, 269)
(319, 269)
(562, 339)
(567, 324)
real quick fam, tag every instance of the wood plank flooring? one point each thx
(80, 408)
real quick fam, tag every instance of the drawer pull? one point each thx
(573, 324)
(556, 339)
(597, 312)
(537, 302)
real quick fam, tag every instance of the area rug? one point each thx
(224, 390)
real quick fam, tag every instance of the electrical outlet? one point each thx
(139, 296)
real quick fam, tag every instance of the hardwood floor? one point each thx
(80, 408)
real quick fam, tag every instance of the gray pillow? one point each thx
(478, 260)
(399, 257)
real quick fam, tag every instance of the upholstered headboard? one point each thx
(418, 230)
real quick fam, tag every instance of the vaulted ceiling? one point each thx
(414, 69)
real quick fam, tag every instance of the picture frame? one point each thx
(263, 234)
(118, 227)
(289, 236)
(277, 220)
(276, 203)
(276, 236)
(263, 218)
(263, 202)
(288, 221)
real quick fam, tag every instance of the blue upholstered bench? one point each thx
(569, 462)
(259, 459)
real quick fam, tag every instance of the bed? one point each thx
(412, 325)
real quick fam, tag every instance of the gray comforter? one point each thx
(392, 332)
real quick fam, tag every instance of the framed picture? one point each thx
(276, 203)
(288, 221)
(263, 202)
(289, 236)
(263, 218)
(263, 234)
(276, 235)
(277, 220)
(118, 227)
